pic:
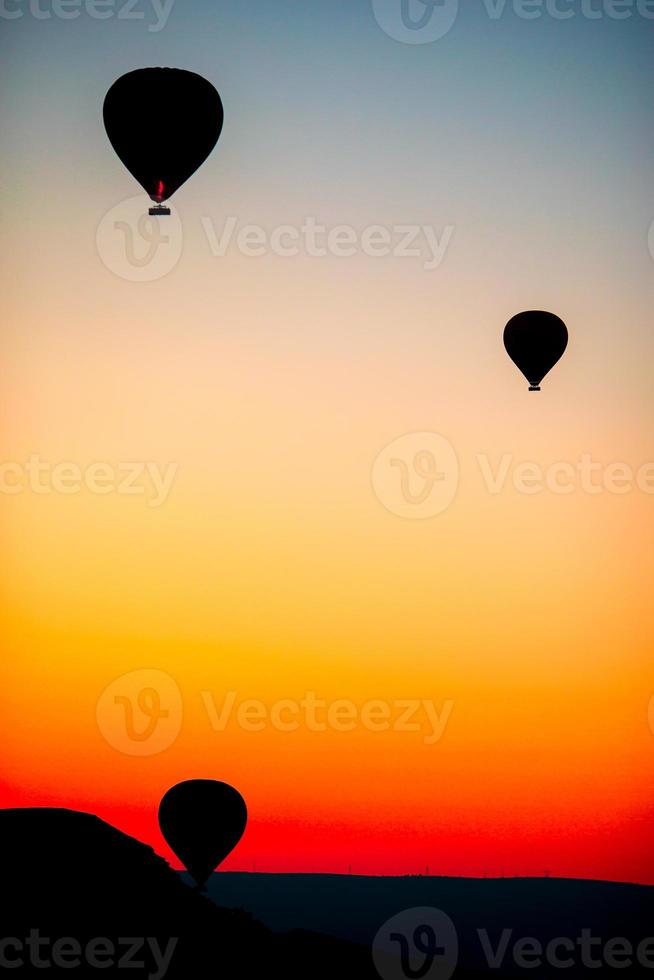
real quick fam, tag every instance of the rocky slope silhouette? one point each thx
(83, 899)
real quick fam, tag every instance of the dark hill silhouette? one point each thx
(69, 874)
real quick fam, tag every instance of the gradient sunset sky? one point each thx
(273, 383)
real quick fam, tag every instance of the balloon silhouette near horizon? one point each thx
(202, 820)
(163, 123)
(535, 341)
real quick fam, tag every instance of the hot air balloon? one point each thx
(202, 820)
(535, 341)
(163, 123)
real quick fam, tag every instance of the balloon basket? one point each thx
(534, 387)
(159, 209)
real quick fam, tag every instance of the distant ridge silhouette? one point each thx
(353, 907)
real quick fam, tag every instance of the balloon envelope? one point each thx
(163, 123)
(535, 341)
(202, 821)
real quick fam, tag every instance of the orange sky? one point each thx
(272, 569)
(274, 565)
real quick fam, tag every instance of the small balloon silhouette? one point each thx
(163, 123)
(202, 820)
(535, 341)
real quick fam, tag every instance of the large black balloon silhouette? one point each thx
(535, 341)
(202, 821)
(163, 123)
